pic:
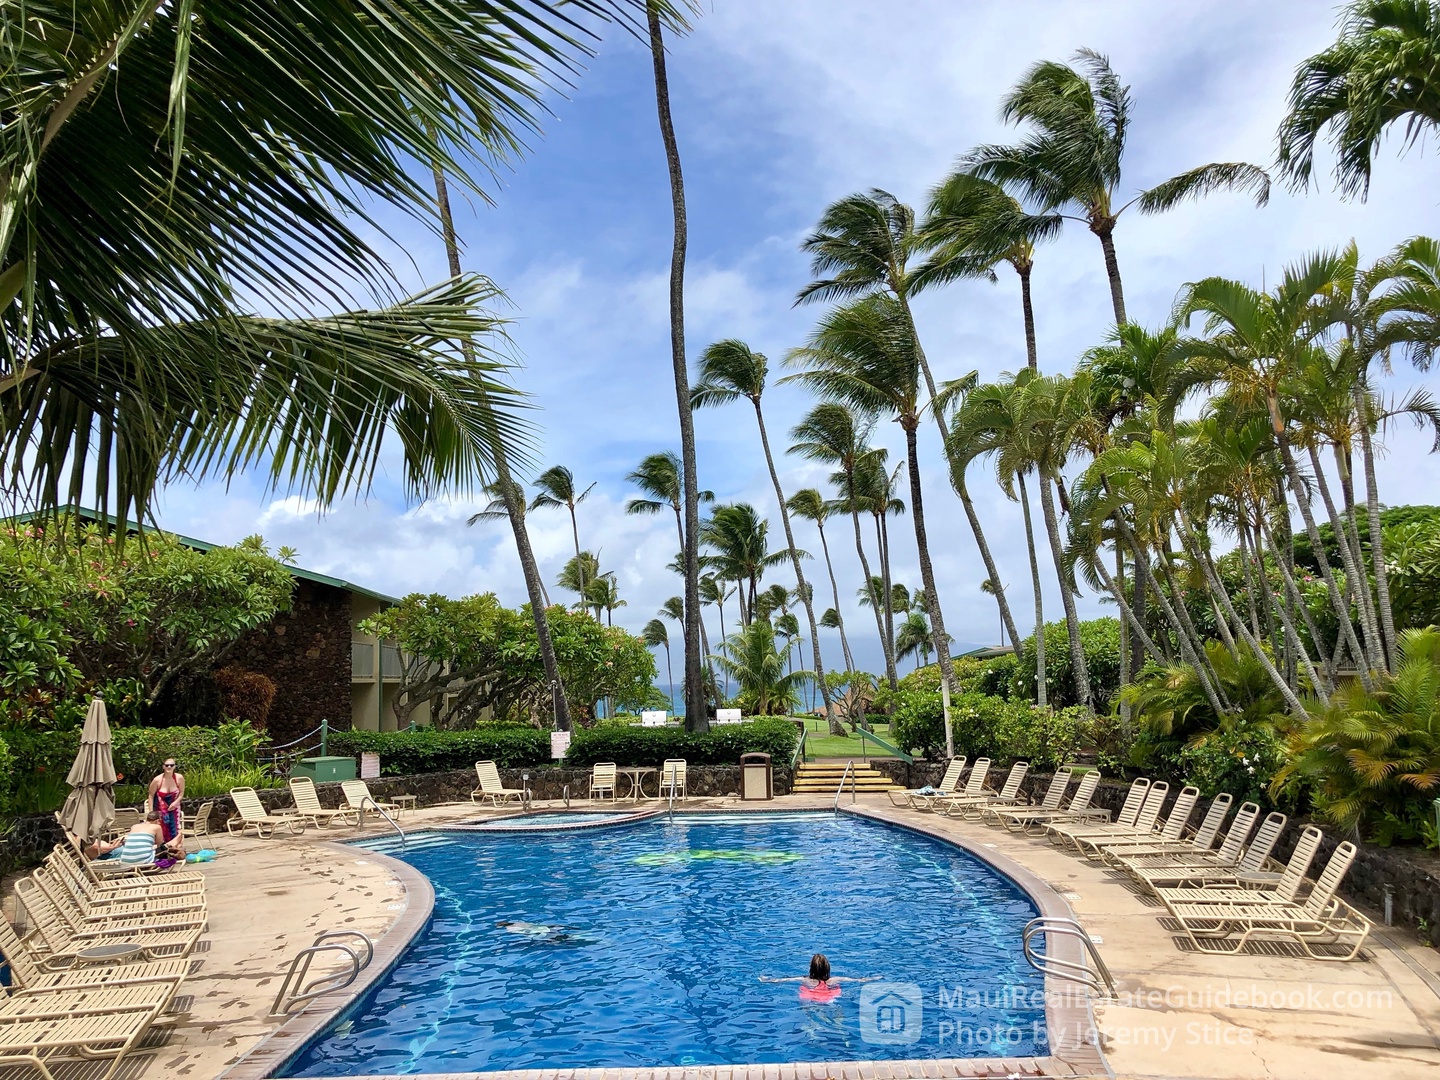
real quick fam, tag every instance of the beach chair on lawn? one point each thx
(1200, 843)
(1033, 819)
(61, 941)
(1227, 863)
(307, 805)
(602, 780)
(358, 798)
(920, 798)
(1281, 888)
(672, 779)
(1141, 810)
(1322, 919)
(1054, 794)
(29, 970)
(488, 774)
(253, 815)
(1009, 795)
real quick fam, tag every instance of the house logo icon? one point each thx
(891, 1014)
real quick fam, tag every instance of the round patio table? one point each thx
(637, 775)
(119, 950)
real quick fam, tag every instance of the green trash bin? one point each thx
(322, 769)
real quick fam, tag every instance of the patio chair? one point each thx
(1322, 919)
(1009, 795)
(1200, 843)
(121, 819)
(358, 797)
(82, 919)
(1034, 819)
(948, 783)
(97, 905)
(63, 942)
(122, 878)
(1094, 847)
(1141, 811)
(672, 778)
(1233, 858)
(602, 779)
(199, 825)
(28, 970)
(253, 815)
(973, 789)
(488, 774)
(307, 805)
(1054, 793)
(38, 1039)
(1244, 889)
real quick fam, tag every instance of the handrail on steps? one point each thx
(1098, 981)
(890, 748)
(799, 753)
(849, 772)
(285, 1000)
(376, 806)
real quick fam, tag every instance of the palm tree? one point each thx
(867, 354)
(1071, 162)
(863, 245)
(809, 504)
(604, 593)
(141, 211)
(660, 477)
(578, 575)
(557, 488)
(914, 638)
(988, 586)
(754, 660)
(729, 370)
(835, 434)
(971, 225)
(498, 509)
(737, 536)
(876, 488)
(655, 634)
(1380, 72)
(658, 12)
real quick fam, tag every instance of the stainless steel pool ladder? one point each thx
(376, 807)
(288, 996)
(1098, 980)
(850, 773)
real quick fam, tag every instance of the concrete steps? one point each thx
(823, 777)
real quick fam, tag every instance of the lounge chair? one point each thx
(1322, 919)
(1009, 795)
(1243, 889)
(973, 789)
(1128, 823)
(29, 970)
(96, 904)
(948, 783)
(1200, 843)
(121, 819)
(672, 778)
(488, 773)
(358, 797)
(38, 1040)
(602, 780)
(253, 815)
(307, 805)
(61, 941)
(1095, 847)
(1224, 866)
(1034, 819)
(129, 882)
(1054, 795)
(82, 919)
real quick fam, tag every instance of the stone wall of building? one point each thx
(306, 653)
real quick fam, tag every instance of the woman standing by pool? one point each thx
(166, 791)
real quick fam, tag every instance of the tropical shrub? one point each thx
(989, 726)
(651, 746)
(1170, 703)
(1370, 762)
(1242, 760)
(403, 753)
(756, 660)
(138, 752)
(1100, 640)
(997, 676)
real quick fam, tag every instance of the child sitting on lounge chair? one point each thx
(819, 985)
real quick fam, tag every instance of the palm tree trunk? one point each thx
(835, 592)
(885, 605)
(1293, 600)
(1372, 514)
(1041, 693)
(891, 676)
(927, 575)
(836, 728)
(669, 673)
(579, 567)
(1029, 310)
(1112, 271)
(1079, 670)
(1350, 560)
(514, 509)
(695, 716)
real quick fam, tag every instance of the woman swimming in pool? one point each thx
(819, 985)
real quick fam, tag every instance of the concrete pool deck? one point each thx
(1177, 1015)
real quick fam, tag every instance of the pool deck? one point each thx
(1178, 1014)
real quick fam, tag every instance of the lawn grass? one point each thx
(820, 743)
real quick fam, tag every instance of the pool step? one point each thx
(390, 845)
(823, 777)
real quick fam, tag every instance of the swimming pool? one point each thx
(644, 946)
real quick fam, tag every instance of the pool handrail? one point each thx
(798, 755)
(325, 984)
(1098, 981)
(891, 748)
(379, 810)
(850, 774)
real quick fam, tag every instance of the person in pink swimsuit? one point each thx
(819, 985)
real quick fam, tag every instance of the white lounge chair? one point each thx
(1009, 795)
(1228, 862)
(948, 783)
(491, 787)
(1034, 819)
(1200, 843)
(253, 815)
(307, 805)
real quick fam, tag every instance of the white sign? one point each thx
(559, 743)
(727, 716)
(369, 766)
(653, 718)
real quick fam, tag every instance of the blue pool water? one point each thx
(666, 927)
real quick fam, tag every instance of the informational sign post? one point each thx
(559, 744)
(369, 766)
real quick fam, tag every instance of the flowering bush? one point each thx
(1241, 760)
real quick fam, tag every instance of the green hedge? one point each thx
(651, 746)
(404, 753)
(138, 752)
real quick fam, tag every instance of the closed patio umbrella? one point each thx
(89, 808)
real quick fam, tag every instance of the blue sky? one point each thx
(779, 109)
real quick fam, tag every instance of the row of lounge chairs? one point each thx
(1221, 896)
(106, 953)
(251, 815)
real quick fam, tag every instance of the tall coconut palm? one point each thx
(863, 244)
(835, 434)
(738, 539)
(914, 638)
(876, 488)
(971, 225)
(714, 590)
(730, 370)
(557, 488)
(656, 635)
(1384, 69)
(809, 504)
(1071, 161)
(867, 354)
(604, 593)
(142, 212)
(660, 476)
(577, 575)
